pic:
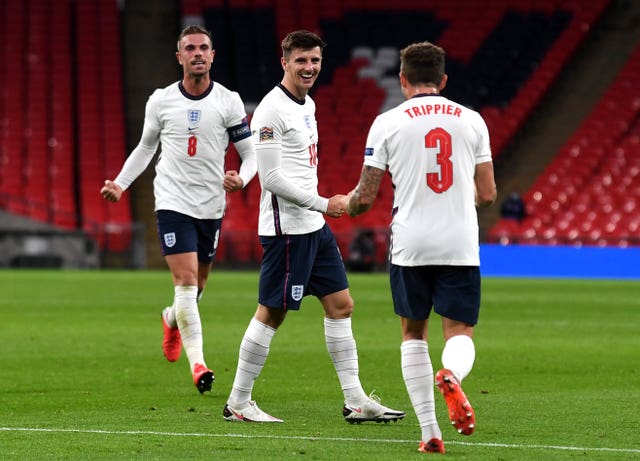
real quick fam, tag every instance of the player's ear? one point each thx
(283, 62)
(443, 83)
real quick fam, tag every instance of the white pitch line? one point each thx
(303, 437)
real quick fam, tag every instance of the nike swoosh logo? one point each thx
(212, 253)
(239, 415)
(191, 128)
(357, 410)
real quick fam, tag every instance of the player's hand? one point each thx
(111, 191)
(337, 206)
(232, 182)
(348, 202)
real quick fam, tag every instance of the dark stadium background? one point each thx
(555, 80)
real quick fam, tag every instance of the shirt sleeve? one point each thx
(249, 165)
(237, 123)
(142, 154)
(273, 180)
(483, 152)
(375, 153)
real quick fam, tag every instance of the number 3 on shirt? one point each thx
(192, 148)
(439, 138)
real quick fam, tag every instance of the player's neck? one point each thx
(196, 85)
(423, 90)
(295, 91)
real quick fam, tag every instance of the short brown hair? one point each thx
(300, 39)
(422, 63)
(194, 29)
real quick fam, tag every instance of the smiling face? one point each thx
(301, 69)
(195, 55)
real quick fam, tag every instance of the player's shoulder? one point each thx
(272, 102)
(275, 94)
(389, 116)
(162, 94)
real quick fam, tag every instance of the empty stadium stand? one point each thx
(63, 132)
(590, 193)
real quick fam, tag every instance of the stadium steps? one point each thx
(584, 80)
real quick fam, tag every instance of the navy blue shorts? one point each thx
(452, 291)
(180, 233)
(294, 266)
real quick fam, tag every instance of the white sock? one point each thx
(344, 354)
(254, 350)
(171, 317)
(417, 372)
(458, 355)
(187, 317)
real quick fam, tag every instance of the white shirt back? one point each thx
(431, 147)
(283, 122)
(194, 138)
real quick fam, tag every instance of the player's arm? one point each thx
(240, 135)
(135, 164)
(362, 197)
(486, 190)
(234, 180)
(273, 179)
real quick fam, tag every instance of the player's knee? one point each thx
(345, 308)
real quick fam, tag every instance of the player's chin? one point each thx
(199, 72)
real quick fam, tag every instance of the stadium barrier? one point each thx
(560, 261)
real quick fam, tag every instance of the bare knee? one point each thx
(270, 316)
(338, 305)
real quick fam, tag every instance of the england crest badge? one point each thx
(193, 116)
(296, 292)
(170, 239)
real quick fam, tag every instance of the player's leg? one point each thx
(341, 344)
(329, 283)
(203, 276)
(342, 348)
(459, 351)
(254, 350)
(179, 240)
(411, 293)
(274, 290)
(458, 302)
(185, 307)
(208, 238)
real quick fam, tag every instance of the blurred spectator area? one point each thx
(61, 115)
(590, 193)
(62, 120)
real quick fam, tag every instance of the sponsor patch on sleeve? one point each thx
(368, 151)
(266, 134)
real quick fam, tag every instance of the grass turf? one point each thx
(82, 375)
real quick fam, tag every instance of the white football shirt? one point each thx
(431, 147)
(282, 121)
(194, 133)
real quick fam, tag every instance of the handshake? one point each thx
(340, 204)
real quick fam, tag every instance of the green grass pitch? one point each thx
(82, 376)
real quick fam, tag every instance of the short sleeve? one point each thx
(375, 152)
